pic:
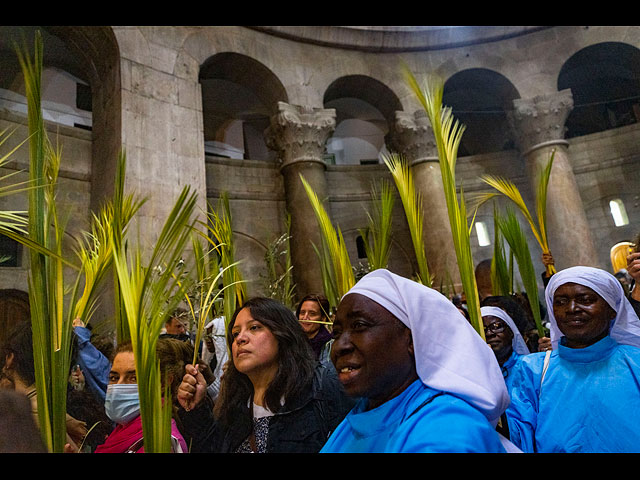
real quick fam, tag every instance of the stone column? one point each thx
(413, 138)
(539, 125)
(298, 134)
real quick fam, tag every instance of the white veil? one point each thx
(518, 343)
(450, 355)
(625, 327)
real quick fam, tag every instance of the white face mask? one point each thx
(122, 403)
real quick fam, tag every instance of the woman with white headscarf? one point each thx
(504, 338)
(425, 379)
(578, 397)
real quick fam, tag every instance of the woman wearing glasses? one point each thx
(509, 347)
(505, 340)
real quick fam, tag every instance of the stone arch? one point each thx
(604, 79)
(365, 114)
(90, 55)
(480, 99)
(239, 95)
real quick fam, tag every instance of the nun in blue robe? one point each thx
(518, 345)
(458, 397)
(581, 399)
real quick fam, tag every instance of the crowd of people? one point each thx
(396, 368)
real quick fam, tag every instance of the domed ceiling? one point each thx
(396, 38)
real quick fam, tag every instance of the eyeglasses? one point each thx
(495, 327)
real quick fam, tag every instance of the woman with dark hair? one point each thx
(122, 403)
(19, 369)
(311, 312)
(274, 396)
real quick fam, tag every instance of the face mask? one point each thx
(122, 403)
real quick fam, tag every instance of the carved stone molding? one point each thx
(299, 133)
(413, 138)
(540, 121)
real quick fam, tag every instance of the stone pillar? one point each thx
(539, 125)
(299, 134)
(413, 138)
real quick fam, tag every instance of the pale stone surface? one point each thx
(148, 100)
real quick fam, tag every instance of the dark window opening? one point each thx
(362, 252)
(10, 252)
(83, 97)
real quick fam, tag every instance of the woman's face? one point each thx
(582, 315)
(310, 310)
(123, 369)
(372, 351)
(254, 348)
(498, 335)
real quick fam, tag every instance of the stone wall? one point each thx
(148, 101)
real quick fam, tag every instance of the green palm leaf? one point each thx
(510, 228)
(377, 236)
(413, 208)
(149, 293)
(336, 266)
(448, 134)
(508, 189)
(501, 275)
(220, 235)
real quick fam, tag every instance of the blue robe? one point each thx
(589, 402)
(404, 425)
(507, 369)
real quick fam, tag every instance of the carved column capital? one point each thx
(540, 121)
(299, 133)
(413, 138)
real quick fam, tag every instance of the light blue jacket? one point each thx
(419, 420)
(589, 400)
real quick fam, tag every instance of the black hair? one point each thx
(296, 362)
(20, 344)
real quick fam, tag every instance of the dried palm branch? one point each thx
(337, 271)
(413, 209)
(448, 133)
(377, 236)
(510, 229)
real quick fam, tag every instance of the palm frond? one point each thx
(377, 236)
(150, 293)
(219, 233)
(501, 275)
(510, 229)
(280, 285)
(335, 258)
(508, 189)
(51, 330)
(206, 289)
(413, 208)
(541, 206)
(448, 134)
